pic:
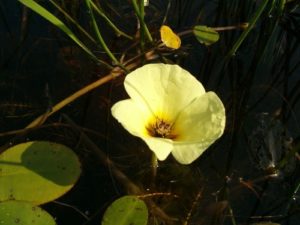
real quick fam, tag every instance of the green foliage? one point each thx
(206, 35)
(126, 210)
(101, 13)
(98, 33)
(251, 25)
(58, 23)
(46, 169)
(23, 213)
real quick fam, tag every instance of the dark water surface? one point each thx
(247, 176)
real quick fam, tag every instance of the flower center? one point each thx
(161, 129)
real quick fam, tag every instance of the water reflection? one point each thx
(269, 144)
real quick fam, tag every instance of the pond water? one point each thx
(250, 175)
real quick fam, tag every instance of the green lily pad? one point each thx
(206, 35)
(37, 172)
(127, 210)
(23, 213)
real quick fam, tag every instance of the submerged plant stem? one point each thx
(188, 217)
(116, 72)
(131, 187)
(231, 215)
(292, 198)
(40, 120)
(154, 165)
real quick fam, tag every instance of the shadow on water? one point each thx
(250, 175)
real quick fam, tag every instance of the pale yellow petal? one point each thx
(165, 89)
(189, 152)
(161, 147)
(132, 116)
(203, 119)
(199, 124)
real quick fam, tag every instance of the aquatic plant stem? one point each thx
(194, 204)
(73, 21)
(141, 19)
(154, 165)
(289, 155)
(142, 31)
(59, 24)
(41, 119)
(292, 198)
(251, 24)
(99, 35)
(116, 72)
(131, 187)
(105, 160)
(218, 29)
(231, 215)
(109, 22)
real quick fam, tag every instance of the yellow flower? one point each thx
(169, 38)
(170, 110)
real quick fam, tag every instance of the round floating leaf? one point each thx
(23, 213)
(127, 210)
(37, 172)
(206, 35)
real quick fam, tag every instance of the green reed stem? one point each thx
(142, 31)
(109, 22)
(139, 11)
(99, 35)
(73, 21)
(59, 24)
(252, 23)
